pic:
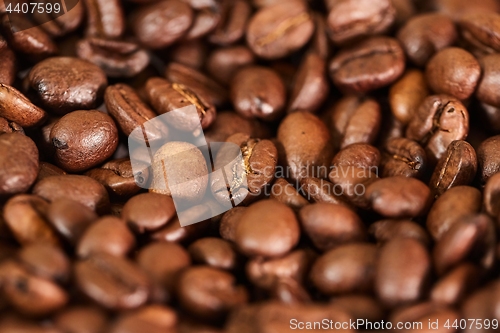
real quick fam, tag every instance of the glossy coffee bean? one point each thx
(78, 319)
(360, 307)
(46, 261)
(457, 8)
(406, 95)
(403, 157)
(9, 63)
(229, 123)
(229, 222)
(15, 107)
(386, 230)
(479, 29)
(231, 27)
(223, 63)
(322, 191)
(488, 158)
(152, 318)
(371, 64)
(490, 199)
(148, 211)
(456, 285)
(284, 192)
(421, 313)
(104, 18)
(213, 252)
(64, 84)
(10, 127)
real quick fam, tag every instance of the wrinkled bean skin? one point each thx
(403, 157)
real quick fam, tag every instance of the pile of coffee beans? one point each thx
(369, 133)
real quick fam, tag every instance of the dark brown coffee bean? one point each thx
(420, 314)
(424, 35)
(84, 139)
(104, 18)
(471, 237)
(83, 189)
(191, 53)
(61, 25)
(165, 96)
(386, 230)
(152, 318)
(457, 8)
(322, 191)
(234, 18)
(456, 167)
(228, 123)
(271, 234)
(406, 95)
(486, 92)
(18, 163)
(214, 252)
(70, 218)
(46, 260)
(8, 66)
(371, 64)
(229, 222)
(460, 80)
(285, 193)
(160, 24)
(29, 294)
(453, 287)
(258, 92)
(25, 217)
(209, 293)
(148, 211)
(278, 30)
(113, 282)
(47, 170)
(7, 126)
(200, 84)
(81, 319)
(64, 84)
(115, 58)
(399, 197)
(106, 235)
(223, 63)
(205, 21)
(480, 30)
(355, 120)
(491, 195)
(174, 232)
(265, 273)
(350, 19)
(488, 158)
(359, 306)
(310, 87)
(438, 122)
(15, 107)
(290, 292)
(403, 157)
(329, 225)
(398, 280)
(306, 146)
(481, 304)
(347, 269)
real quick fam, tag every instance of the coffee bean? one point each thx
(8, 65)
(231, 27)
(223, 63)
(406, 95)
(148, 211)
(329, 225)
(284, 192)
(488, 158)
(371, 64)
(81, 319)
(229, 222)
(174, 232)
(399, 281)
(306, 146)
(57, 26)
(213, 252)
(18, 163)
(424, 35)
(228, 123)
(191, 53)
(349, 20)
(490, 199)
(421, 313)
(454, 286)
(386, 230)
(84, 139)
(322, 191)
(278, 30)
(349, 268)
(479, 30)
(289, 292)
(46, 261)
(113, 282)
(152, 318)
(258, 92)
(486, 88)
(403, 157)
(15, 107)
(360, 307)
(7, 126)
(270, 235)
(205, 21)
(457, 8)
(479, 304)
(104, 18)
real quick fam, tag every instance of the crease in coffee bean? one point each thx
(109, 272)
(283, 28)
(413, 165)
(190, 96)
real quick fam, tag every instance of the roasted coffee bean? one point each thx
(458, 8)
(350, 19)
(454, 286)
(83, 189)
(406, 95)
(229, 222)
(191, 53)
(459, 81)
(70, 218)
(400, 281)
(305, 146)
(15, 107)
(25, 217)
(310, 87)
(200, 84)
(81, 319)
(284, 192)
(360, 307)
(214, 252)
(47, 170)
(223, 63)
(330, 225)
(64, 84)
(398, 197)
(403, 157)
(8, 66)
(152, 318)
(46, 260)
(456, 167)
(386, 230)
(349, 268)
(258, 92)
(271, 234)
(174, 232)
(491, 74)
(10, 127)
(278, 30)
(160, 24)
(488, 158)
(205, 21)
(84, 139)
(481, 303)
(208, 292)
(438, 122)
(234, 18)
(424, 35)
(450, 207)
(290, 292)
(228, 123)
(491, 196)
(165, 96)
(115, 58)
(148, 211)
(355, 120)
(420, 314)
(61, 25)
(371, 64)
(113, 282)
(322, 191)
(104, 18)
(107, 235)
(18, 163)
(480, 30)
